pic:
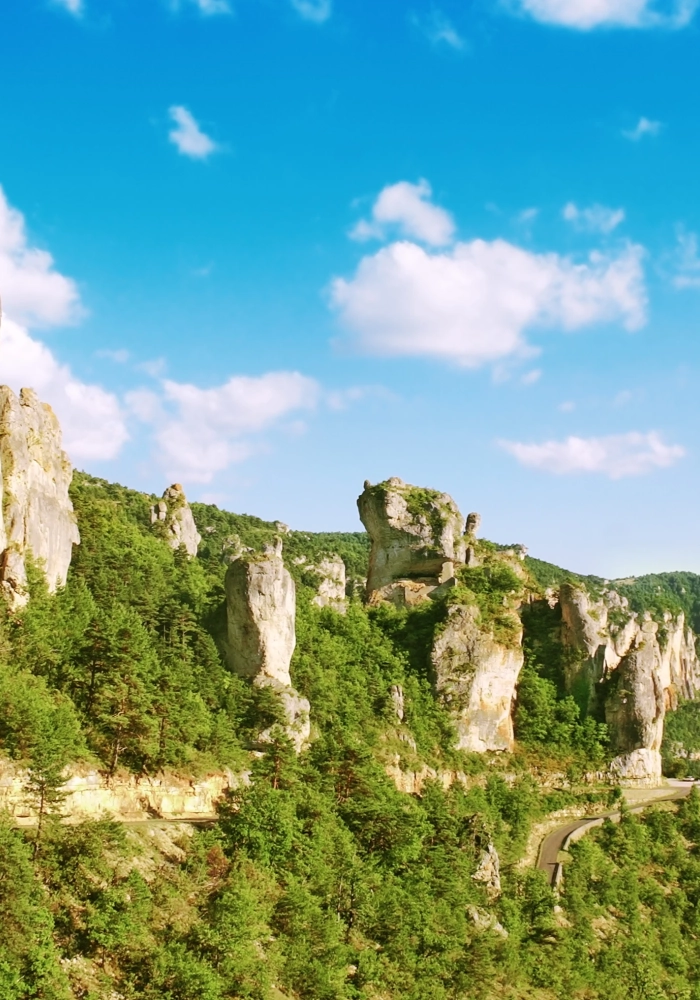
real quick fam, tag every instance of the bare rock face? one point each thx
(625, 667)
(176, 514)
(261, 612)
(476, 678)
(331, 589)
(635, 705)
(417, 539)
(488, 871)
(37, 514)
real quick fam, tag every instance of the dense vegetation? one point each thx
(320, 880)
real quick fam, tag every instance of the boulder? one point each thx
(417, 540)
(37, 514)
(261, 611)
(476, 678)
(175, 513)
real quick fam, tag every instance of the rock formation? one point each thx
(476, 677)
(419, 544)
(261, 611)
(174, 513)
(628, 670)
(331, 588)
(37, 515)
(417, 540)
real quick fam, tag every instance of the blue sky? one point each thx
(271, 248)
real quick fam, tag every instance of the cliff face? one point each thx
(476, 679)
(261, 613)
(417, 539)
(174, 511)
(630, 670)
(37, 514)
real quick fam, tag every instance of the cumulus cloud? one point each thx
(91, 418)
(584, 15)
(407, 208)
(188, 136)
(615, 456)
(316, 11)
(200, 432)
(31, 290)
(687, 261)
(645, 126)
(594, 219)
(471, 305)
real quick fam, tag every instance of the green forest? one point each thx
(319, 879)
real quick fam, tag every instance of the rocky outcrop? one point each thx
(635, 702)
(261, 612)
(476, 678)
(629, 670)
(488, 871)
(331, 587)
(37, 515)
(174, 513)
(417, 540)
(89, 794)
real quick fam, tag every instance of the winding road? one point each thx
(559, 839)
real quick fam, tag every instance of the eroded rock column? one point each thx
(37, 513)
(417, 540)
(261, 612)
(176, 515)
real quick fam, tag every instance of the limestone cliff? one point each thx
(37, 515)
(88, 794)
(417, 540)
(476, 678)
(261, 613)
(422, 549)
(175, 514)
(629, 670)
(331, 587)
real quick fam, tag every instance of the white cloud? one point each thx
(31, 290)
(527, 215)
(439, 30)
(583, 15)
(594, 219)
(208, 8)
(643, 127)
(74, 7)
(615, 456)
(568, 406)
(119, 357)
(91, 418)
(529, 378)
(316, 11)
(200, 432)
(472, 305)
(687, 261)
(407, 207)
(188, 136)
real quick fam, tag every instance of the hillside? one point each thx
(321, 878)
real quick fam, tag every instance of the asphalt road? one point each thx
(559, 839)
